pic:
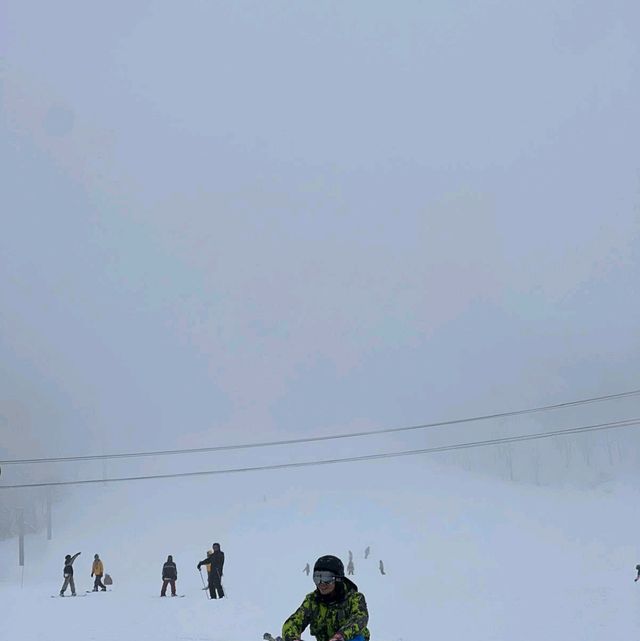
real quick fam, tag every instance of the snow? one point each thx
(466, 556)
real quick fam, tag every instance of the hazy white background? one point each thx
(224, 222)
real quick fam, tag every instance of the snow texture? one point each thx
(466, 557)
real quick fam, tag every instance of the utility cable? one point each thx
(351, 459)
(315, 439)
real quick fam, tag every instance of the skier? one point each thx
(169, 576)
(307, 569)
(335, 610)
(367, 551)
(97, 569)
(68, 574)
(638, 569)
(216, 561)
(350, 567)
(381, 566)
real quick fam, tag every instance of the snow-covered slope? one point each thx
(466, 557)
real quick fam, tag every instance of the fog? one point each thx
(230, 222)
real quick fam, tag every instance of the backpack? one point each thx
(108, 580)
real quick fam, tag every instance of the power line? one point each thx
(351, 459)
(314, 439)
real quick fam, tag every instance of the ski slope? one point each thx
(467, 557)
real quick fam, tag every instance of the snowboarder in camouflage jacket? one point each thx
(335, 610)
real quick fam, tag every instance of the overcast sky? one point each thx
(230, 219)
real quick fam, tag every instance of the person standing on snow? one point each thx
(169, 576)
(638, 569)
(307, 569)
(68, 574)
(97, 569)
(216, 561)
(335, 610)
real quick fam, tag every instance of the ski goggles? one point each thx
(323, 577)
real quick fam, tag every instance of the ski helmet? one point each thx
(329, 563)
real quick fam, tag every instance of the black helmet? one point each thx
(329, 563)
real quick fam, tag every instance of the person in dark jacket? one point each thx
(68, 574)
(638, 570)
(169, 576)
(216, 561)
(336, 611)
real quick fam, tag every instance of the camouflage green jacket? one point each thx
(348, 616)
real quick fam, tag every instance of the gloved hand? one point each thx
(198, 566)
(92, 575)
(337, 637)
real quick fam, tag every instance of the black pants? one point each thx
(165, 583)
(215, 585)
(98, 583)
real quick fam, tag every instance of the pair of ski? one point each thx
(71, 596)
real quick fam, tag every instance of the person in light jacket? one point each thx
(97, 570)
(334, 611)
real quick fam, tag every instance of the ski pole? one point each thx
(203, 583)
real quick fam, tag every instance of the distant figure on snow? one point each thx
(350, 567)
(350, 555)
(638, 570)
(97, 570)
(68, 574)
(367, 551)
(307, 569)
(381, 566)
(216, 561)
(169, 576)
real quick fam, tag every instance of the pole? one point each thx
(21, 539)
(206, 587)
(49, 514)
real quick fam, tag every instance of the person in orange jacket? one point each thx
(97, 570)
